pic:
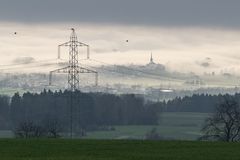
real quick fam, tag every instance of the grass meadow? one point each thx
(66, 149)
(172, 126)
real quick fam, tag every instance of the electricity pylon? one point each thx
(74, 38)
(73, 69)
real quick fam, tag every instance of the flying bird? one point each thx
(126, 40)
(15, 33)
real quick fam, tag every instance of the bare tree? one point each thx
(53, 128)
(29, 130)
(224, 124)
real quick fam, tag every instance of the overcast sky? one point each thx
(220, 13)
(184, 35)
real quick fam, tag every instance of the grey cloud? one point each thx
(23, 60)
(103, 50)
(222, 13)
(206, 62)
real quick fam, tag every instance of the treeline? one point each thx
(203, 103)
(5, 121)
(89, 110)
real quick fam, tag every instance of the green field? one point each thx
(172, 126)
(16, 149)
(176, 126)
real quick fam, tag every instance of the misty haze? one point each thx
(130, 79)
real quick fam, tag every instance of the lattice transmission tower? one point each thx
(73, 69)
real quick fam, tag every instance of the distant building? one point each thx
(151, 60)
(155, 66)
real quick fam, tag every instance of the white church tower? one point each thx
(151, 60)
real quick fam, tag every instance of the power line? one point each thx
(28, 67)
(145, 74)
(24, 63)
(150, 75)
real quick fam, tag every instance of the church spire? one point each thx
(151, 59)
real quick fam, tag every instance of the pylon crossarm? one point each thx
(65, 44)
(85, 70)
(62, 45)
(85, 45)
(82, 44)
(61, 70)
